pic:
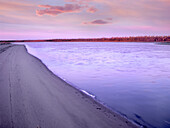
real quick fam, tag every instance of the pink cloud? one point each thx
(92, 9)
(56, 10)
(85, 4)
(97, 22)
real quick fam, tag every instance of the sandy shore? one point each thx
(31, 96)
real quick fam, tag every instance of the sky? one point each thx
(47, 19)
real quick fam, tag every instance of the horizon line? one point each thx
(80, 38)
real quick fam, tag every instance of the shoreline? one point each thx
(88, 93)
(37, 97)
(99, 101)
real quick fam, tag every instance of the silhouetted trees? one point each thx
(112, 39)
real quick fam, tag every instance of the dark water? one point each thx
(131, 78)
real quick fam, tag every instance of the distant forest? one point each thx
(112, 39)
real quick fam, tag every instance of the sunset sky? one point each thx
(38, 19)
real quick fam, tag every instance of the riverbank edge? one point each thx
(89, 95)
(95, 101)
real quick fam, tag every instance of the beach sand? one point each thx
(31, 96)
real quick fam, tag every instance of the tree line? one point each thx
(112, 39)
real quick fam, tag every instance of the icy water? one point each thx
(130, 78)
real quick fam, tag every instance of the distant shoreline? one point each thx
(113, 39)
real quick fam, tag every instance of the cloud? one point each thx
(92, 9)
(97, 22)
(85, 4)
(56, 10)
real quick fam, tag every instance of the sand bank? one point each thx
(31, 96)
